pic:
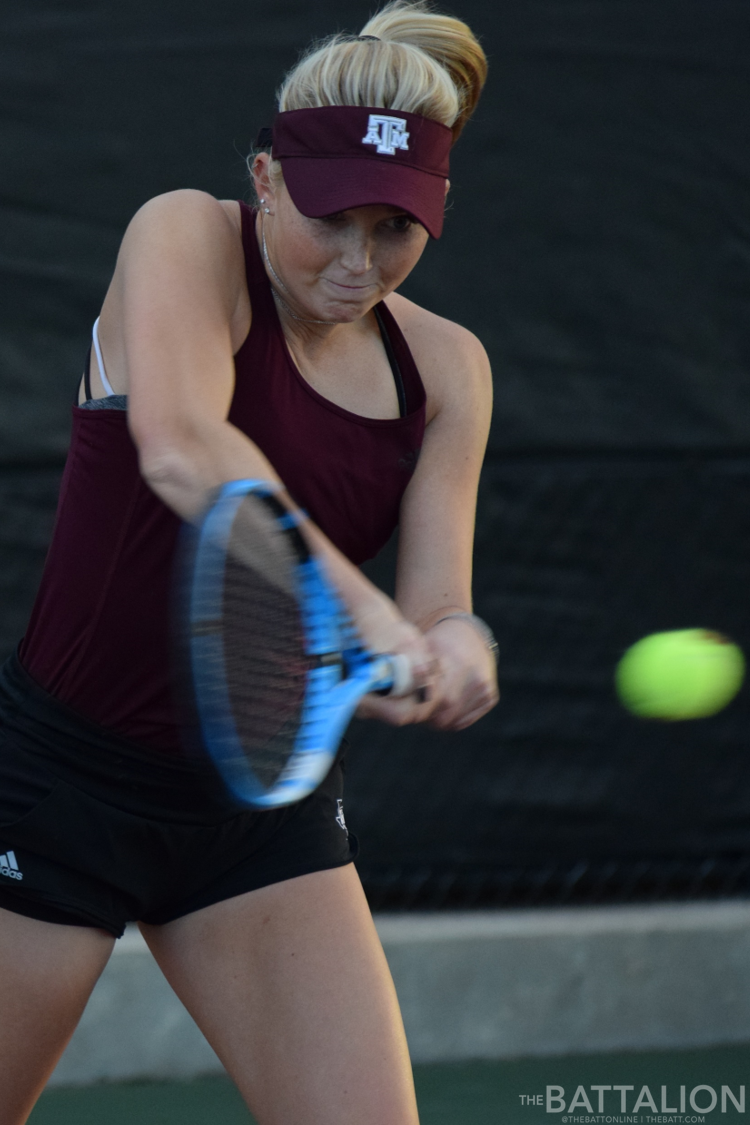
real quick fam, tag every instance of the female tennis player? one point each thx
(250, 343)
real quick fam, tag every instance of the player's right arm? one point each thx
(176, 312)
(171, 322)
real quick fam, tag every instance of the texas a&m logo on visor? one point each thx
(388, 133)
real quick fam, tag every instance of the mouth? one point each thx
(348, 288)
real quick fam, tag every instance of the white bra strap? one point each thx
(102, 373)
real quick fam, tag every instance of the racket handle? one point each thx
(401, 675)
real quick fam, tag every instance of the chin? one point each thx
(352, 312)
(345, 312)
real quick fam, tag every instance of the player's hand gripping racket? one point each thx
(276, 665)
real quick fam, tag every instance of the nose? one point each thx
(356, 252)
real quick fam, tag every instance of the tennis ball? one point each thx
(685, 674)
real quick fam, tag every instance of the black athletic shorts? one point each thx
(98, 831)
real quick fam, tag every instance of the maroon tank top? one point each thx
(99, 634)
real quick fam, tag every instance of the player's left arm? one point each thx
(436, 533)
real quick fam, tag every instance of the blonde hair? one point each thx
(423, 63)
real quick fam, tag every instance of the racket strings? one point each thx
(265, 660)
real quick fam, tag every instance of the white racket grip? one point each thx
(403, 678)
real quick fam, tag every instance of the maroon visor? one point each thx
(341, 156)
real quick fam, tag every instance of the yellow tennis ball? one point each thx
(685, 674)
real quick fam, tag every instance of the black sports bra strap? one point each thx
(87, 376)
(397, 376)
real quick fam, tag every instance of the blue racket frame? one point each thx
(333, 690)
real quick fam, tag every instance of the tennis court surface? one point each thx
(474, 1093)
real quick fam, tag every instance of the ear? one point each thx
(261, 178)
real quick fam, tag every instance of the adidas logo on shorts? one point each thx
(9, 867)
(340, 815)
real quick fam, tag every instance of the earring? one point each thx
(267, 210)
(262, 201)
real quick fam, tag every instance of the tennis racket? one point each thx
(275, 664)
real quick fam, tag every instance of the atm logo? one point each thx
(9, 866)
(388, 133)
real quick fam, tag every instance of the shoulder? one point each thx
(452, 362)
(188, 244)
(182, 201)
(186, 220)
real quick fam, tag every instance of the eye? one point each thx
(401, 224)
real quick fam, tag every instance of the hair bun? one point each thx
(449, 41)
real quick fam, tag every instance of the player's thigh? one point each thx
(291, 988)
(48, 972)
